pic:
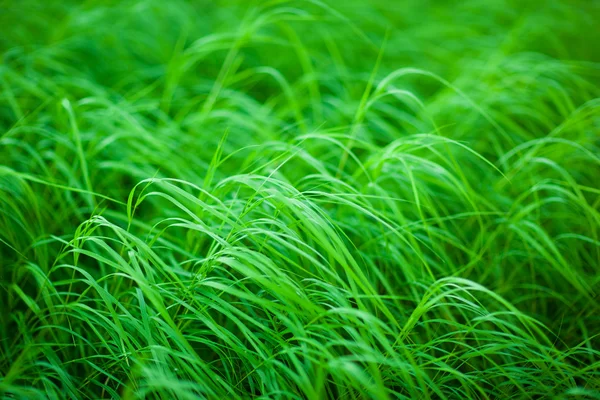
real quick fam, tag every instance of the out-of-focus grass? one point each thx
(299, 199)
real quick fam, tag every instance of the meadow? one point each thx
(311, 199)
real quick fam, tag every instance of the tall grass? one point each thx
(300, 199)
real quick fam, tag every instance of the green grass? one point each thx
(300, 199)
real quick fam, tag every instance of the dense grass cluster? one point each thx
(300, 199)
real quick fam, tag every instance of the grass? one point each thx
(300, 199)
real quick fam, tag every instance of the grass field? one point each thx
(310, 199)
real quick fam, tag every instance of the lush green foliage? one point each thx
(300, 199)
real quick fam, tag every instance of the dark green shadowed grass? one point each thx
(300, 199)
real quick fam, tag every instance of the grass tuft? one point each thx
(300, 199)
